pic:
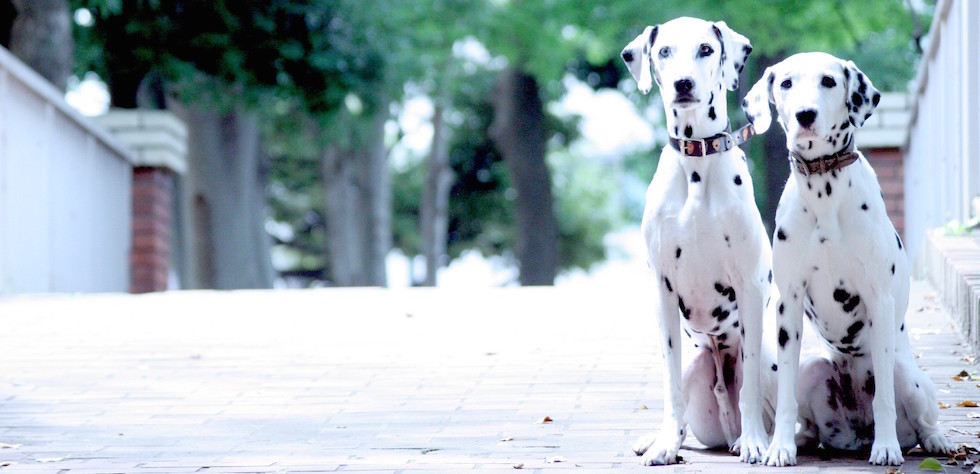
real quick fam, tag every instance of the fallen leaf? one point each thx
(930, 464)
(966, 448)
(546, 419)
(9, 446)
(967, 404)
(973, 414)
(893, 470)
(643, 407)
(943, 405)
(554, 459)
(6, 464)
(519, 465)
(969, 359)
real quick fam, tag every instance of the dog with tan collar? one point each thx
(838, 260)
(706, 245)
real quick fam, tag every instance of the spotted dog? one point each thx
(706, 245)
(838, 260)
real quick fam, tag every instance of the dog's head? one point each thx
(819, 100)
(689, 59)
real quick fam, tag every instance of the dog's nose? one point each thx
(806, 117)
(683, 86)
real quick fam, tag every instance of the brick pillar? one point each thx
(888, 164)
(149, 259)
(159, 143)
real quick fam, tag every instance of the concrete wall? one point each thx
(65, 192)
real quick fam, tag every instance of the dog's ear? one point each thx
(735, 50)
(636, 54)
(861, 96)
(756, 102)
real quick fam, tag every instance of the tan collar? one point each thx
(824, 164)
(722, 142)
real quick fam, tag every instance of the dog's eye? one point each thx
(786, 84)
(828, 82)
(664, 52)
(705, 51)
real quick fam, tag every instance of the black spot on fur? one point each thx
(864, 206)
(695, 177)
(902, 329)
(893, 269)
(688, 131)
(856, 99)
(780, 234)
(711, 113)
(852, 332)
(827, 188)
(720, 314)
(738, 180)
(684, 309)
(628, 56)
(670, 343)
(774, 368)
(667, 282)
(783, 337)
(875, 98)
(899, 240)
(677, 254)
(782, 308)
(770, 276)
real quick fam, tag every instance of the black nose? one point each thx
(806, 117)
(684, 86)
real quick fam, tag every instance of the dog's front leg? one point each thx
(663, 449)
(782, 449)
(885, 449)
(754, 439)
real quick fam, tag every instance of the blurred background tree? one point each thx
(325, 133)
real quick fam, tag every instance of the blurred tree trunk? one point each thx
(41, 37)
(774, 158)
(435, 198)
(228, 247)
(357, 193)
(518, 131)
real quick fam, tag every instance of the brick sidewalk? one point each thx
(364, 380)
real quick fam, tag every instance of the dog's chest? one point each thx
(837, 313)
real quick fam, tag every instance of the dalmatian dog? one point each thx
(838, 260)
(706, 245)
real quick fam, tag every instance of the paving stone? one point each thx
(368, 380)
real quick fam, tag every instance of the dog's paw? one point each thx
(752, 446)
(886, 453)
(936, 443)
(660, 453)
(781, 453)
(643, 444)
(660, 449)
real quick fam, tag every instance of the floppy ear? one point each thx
(756, 102)
(636, 54)
(861, 95)
(735, 50)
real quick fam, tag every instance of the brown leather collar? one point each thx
(824, 164)
(722, 142)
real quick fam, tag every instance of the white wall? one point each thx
(942, 162)
(65, 192)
